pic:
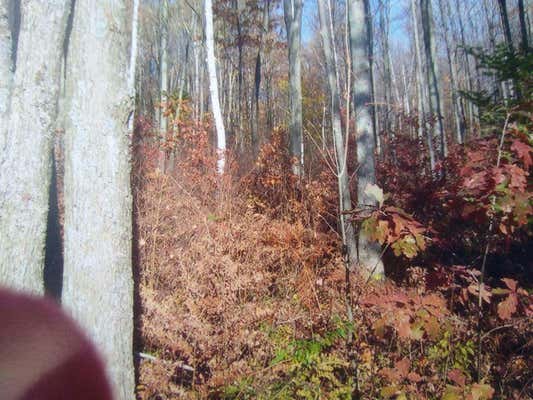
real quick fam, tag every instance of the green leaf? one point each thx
(376, 192)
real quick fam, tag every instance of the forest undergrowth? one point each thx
(244, 292)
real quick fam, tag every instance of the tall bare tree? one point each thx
(213, 85)
(432, 72)
(28, 110)
(368, 252)
(6, 70)
(293, 23)
(98, 282)
(340, 141)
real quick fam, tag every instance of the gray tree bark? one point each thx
(456, 101)
(163, 81)
(339, 140)
(257, 77)
(6, 70)
(423, 84)
(524, 39)
(502, 4)
(435, 104)
(368, 252)
(25, 160)
(98, 282)
(293, 23)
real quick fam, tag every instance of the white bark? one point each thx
(98, 284)
(368, 252)
(25, 162)
(213, 86)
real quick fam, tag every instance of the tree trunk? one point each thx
(370, 32)
(384, 22)
(502, 4)
(163, 82)
(432, 74)
(257, 77)
(523, 27)
(345, 201)
(25, 161)
(293, 23)
(98, 284)
(6, 71)
(369, 252)
(423, 87)
(456, 105)
(213, 86)
(133, 60)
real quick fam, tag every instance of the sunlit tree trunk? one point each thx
(456, 104)
(293, 23)
(339, 140)
(368, 252)
(213, 86)
(423, 85)
(98, 282)
(133, 60)
(25, 158)
(6, 70)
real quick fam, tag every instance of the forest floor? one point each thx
(244, 295)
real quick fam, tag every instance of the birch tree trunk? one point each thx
(25, 161)
(293, 23)
(213, 86)
(98, 283)
(345, 200)
(368, 252)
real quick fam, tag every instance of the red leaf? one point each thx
(508, 307)
(457, 377)
(510, 283)
(402, 367)
(414, 377)
(523, 151)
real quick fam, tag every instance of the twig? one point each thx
(485, 255)
(178, 364)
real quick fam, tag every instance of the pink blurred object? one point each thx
(44, 355)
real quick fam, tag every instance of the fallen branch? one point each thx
(177, 364)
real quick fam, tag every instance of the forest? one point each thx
(274, 199)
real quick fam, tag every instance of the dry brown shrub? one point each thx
(214, 272)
